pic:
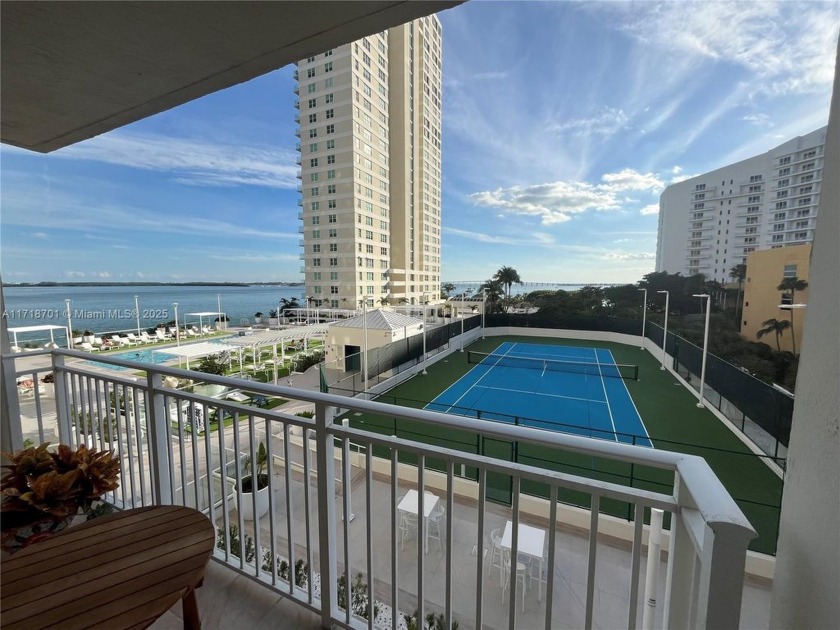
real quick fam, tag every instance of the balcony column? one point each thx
(158, 439)
(324, 415)
(11, 435)
(62, 397)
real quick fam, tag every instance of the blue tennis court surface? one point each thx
(559, 388)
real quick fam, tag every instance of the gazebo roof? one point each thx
(271, 337)
(379, 320)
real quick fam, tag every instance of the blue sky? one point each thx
(562, 124)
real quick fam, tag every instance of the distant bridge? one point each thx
(538, 284)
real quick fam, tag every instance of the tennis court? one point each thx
(564, 388)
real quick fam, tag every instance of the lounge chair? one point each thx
(162, 335)
(192, 332)
(120, 341)
(144, 338)
(87, 347)
(134, 339)
(207, 330)
(173, 331)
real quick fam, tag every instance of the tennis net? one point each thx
(614, 370)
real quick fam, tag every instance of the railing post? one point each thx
(62, 411)
(721, 583)
(159, 446)
(326, 511)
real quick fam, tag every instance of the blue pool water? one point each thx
(152, 357)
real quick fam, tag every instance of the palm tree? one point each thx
(792, 285)
(446, 289)
(738, 273)
(507, 277)
(288, 304)
(777, 326)
(383, 301)
(494, 293)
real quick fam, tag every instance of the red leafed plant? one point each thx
(56, 484)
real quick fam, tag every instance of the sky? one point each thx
(562, 124)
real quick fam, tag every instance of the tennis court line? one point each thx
(633, 402)
(467, 391)
(525, 391)
(563, 358)
(606, 395)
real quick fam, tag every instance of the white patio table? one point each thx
(531, 543)
(409, 505)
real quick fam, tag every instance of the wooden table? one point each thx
(119, 571)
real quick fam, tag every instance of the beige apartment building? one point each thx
(370, 157)
(762, 298)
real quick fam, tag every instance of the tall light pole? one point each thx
(69, 323)
(137, 313)
(424, 333)
(644, 317)
(483, 308)
(219, 311)
(705, 346)
(177, 331)
(665, 335)
(461, 313)
(364, 347)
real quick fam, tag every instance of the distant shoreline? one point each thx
(149, 284)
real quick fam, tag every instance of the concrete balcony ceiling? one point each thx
(74, 70)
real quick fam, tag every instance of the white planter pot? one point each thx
(247, 506)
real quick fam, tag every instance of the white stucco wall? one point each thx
(805, 592)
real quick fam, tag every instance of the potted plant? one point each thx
(258, 317)
(273, 319)
(249, 488)
(43, 490)
(88, 336)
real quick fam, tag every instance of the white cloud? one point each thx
(41, 235)
(676, 170)
(538, 239)
(759, 120)
(557, 202)
(606, 122)
(786, 48)
(193, 162)
(651, 209)
(623, 256)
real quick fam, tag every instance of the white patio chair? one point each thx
(87, 347)
(144, 338)
(133, 338)
(435, 524)
(162, 335)
(521, 572)
(497, 553)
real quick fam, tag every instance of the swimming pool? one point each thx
(152, 357)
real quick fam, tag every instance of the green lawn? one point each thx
(669, 412)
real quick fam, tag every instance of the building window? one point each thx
(331, 189)
(328, 66)
(328, 83)
(809, 154)
(313, 147)
(781, 194)
(314, 191)
(330, 129)
(313, 118)
(313, 133)
(316, 262)
(784, 171)
(332, 218)
(333, 233)
(805, 201)
(313, 162)
(778, 238)
(330, 144)
(755, 178)
(316, 233)
(331, 204)
(333, 247)
(313, 177)
(331, 174)
(800, 236)
(753, 199)
(784, 160)
(316, 249)
(330, 159)
(333, 262)
(328, 99)
(330, 113)
(334, 290)
(316, 206)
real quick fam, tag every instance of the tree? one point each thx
(446, 289)
(507, 277)
(287, 304)
(739, 274)
(792, 285)
(493, 292)
(777, 326)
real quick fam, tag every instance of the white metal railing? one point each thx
(167, 459)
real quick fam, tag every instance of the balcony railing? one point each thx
(193, 446)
